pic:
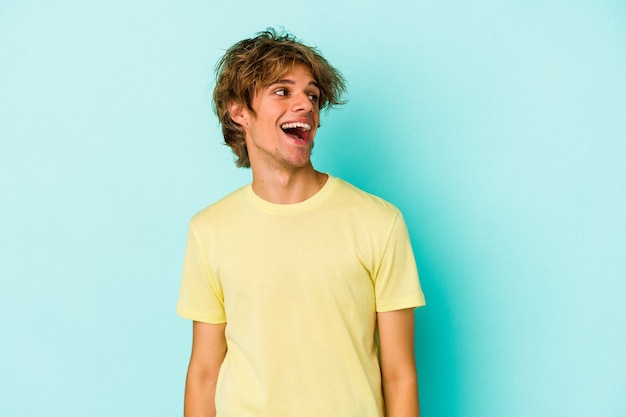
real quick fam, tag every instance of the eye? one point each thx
(314, 98)
(281, 92)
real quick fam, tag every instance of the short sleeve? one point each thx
(397, 283)
(201, 297)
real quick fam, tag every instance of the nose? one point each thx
(302, 103)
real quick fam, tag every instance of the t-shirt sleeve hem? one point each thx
(202, 317)
(414, 301)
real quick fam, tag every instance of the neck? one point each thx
(288, 187)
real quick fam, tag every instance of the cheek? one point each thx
(316, 118)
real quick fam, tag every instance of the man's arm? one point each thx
(397, 362)
(207, 354)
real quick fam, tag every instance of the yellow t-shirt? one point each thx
(299, 286)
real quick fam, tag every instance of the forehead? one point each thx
(298, 74)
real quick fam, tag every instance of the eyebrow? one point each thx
(291, 82)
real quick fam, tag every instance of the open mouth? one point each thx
(297, 130)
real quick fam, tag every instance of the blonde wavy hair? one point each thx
(254, 63)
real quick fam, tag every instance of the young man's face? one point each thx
(281, 133)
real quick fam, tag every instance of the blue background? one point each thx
(498, 127)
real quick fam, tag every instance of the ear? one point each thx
(239, 113)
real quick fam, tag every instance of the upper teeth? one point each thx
(295, 125)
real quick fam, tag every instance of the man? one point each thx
(300, 286)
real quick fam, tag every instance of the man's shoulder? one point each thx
(225, 206)
(361, 200)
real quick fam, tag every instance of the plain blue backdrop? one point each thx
(498, 127)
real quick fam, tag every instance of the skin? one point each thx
(283, 174)
(208, 350)
(397, 363)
